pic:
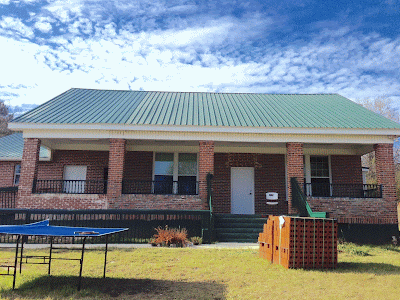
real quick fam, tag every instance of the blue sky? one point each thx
(346, 47)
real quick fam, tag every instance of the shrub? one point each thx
(170, 236)
(196, 240)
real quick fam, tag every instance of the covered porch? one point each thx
(120, 173)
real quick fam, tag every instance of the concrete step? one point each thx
(238, 228)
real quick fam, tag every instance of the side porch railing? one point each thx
(343, 190)
(41, 186)
(160, 187)
(8, 196)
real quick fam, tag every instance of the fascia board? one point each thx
(20, 159)
(208, 129)
(217, 137)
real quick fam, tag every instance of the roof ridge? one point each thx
(180, 92)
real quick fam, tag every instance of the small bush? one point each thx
(170, 236)
(196, 240)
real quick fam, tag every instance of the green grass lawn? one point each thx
(364, 272)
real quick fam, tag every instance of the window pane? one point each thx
(319, 166)
(164, 164)
(17, 173)
(187, 164)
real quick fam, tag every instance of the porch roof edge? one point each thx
(25, 127)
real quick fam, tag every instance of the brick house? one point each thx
(145, 150)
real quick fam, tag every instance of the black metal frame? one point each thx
(160, 187)
(42, 186)
(7, 196)
(333, 190)
(47, 259)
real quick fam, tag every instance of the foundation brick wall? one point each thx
(295, 168)
(206, 165)
(353, 210)
(269, 176)
(143, 201)
(7, 173)
(63, 201)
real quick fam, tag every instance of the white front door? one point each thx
(74, 179)
(242, 191)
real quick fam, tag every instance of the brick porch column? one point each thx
(29, 167)
(206, 165)
(295, 168)
(116, 163)
(385, 175)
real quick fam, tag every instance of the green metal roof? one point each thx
(12, 146)
(86, 106)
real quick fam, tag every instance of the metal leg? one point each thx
(22, 253)
(105, 258)
(16, 261)
(81, 261)
(51, 251)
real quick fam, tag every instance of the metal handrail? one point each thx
(299, 200)
(42, 186)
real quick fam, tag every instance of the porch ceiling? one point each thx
(192, 146)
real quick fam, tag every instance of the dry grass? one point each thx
(364, 272)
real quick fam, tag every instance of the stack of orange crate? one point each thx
(265, 240)
(301, 242)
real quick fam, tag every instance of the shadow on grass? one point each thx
(59, 287)
(361, 267)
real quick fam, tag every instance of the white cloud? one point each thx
(43, 26)
(4, 2)
(15, 25)
(199, 56)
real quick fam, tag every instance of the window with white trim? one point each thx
(317, 175)
(17, 174)
(175, 173)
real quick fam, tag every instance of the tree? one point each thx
(386, 107)
(5, 117)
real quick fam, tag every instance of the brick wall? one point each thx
(346, 169)
(63, 201)
(116, 164)
(206, 165)
(7, 173)
(142, 201)
(269, 176)
(29, 166)
(95, 161)
(385, 174)
(295, 168)
(139, 165)
(354, 210)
